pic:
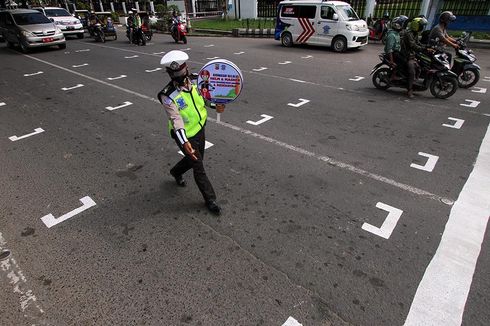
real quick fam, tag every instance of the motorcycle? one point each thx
(99, 33)
(464, 64)
(135, 37)
(378, 30)
(435, 75)
(179, 32)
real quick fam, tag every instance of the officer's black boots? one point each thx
(213, 207)
(178, 179)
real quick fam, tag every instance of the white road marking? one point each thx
(33, 74)
(208, 46)
(36, 131)
(357, 78)
(429, 165)
(18, 281)
(132, 56)
(206, 146)
(110, 108)
(186, 49)
(118, 77)
(486, 78)
(238, 53)
(284, 63)
(441, 295)
(153, 70)
(212, 58)
(3, 103)
(326, 159)
(261, 121)
(159, 52)
(83, 50)
(50, 221)
(259, 69)
(389, 223)
(291, 322)
(70, 88)
(307, 57)
(473, 104)
(479, 90)
(82, 65)
(301, 102)
(298, 80)
(458, 123)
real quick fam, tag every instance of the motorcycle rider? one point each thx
(175, 22)
(393, 46)
(410, 45)
(138, 30)
(440, 32)
(92, 21)
(130, 26)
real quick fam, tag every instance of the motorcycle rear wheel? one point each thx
(469, 78)
(443, 87)
(381, 78)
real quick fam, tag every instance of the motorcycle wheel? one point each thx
(443, 87)
(148, 37)
(469, 78)
(184, 38)
(381, 78)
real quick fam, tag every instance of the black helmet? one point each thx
(399, 23)
(447, 17)
(386, 15)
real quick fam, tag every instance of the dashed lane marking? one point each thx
(70, 88)
(3, 103)
(458, 123)
(50, 221)
(153, 70)
(301, 102)
(479, 90)
(36, 131)
(33, 74)
(126, 103)
(291, 322)
(238, 53)
(329, 160)
(259, 69)
(132, 56)
(389, 223)
(118, 77)
(472, 104)
(429, 165)
(357, 78)
(265, 118)
(81, 65)
(83, 50)
(284, 63)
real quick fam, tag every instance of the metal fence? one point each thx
(267, 8)
(359, 6)
(467, 7)
(207, 5)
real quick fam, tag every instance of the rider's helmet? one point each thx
(418, 24)
(399, 23)
(386, 15)
(130, 12)
(447, 17)
(175, 65)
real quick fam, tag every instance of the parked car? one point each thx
(68, 24)
(29, 29)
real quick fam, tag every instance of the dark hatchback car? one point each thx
(29, 29)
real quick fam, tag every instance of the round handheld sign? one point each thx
(220, 81)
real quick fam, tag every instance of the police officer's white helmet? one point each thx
(130, 12)
(175, 64)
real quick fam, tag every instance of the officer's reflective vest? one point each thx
(192, 110)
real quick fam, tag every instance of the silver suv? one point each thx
(29, 29)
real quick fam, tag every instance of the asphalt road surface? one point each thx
(342, 204)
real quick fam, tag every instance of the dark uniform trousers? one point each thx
(197, 141)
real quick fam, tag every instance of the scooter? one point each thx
(464, 64)
(435, 75)
(147, 32)
(179, 32)
(99, 33)
(378, 30)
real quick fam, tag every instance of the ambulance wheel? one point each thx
(287, 40)
(339, 44)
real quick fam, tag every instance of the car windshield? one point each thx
(347, 12)
(31, 19)
(56, 12)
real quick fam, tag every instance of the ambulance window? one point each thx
(307, 11)
(289, 11)
(327, 12)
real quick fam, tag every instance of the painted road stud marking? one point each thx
(36, 131)
(260, 69)
(118, 77)
(33, 74)
(238, 53)
(389, 223)
(473, 104)
(83, 50)
(50, 221)
(153, 70)
(357, 78)
(302, 101)
(132, 56)
(261, 121)
(212, 58)
(307, 57)
(284, 63)
(159, 52)
(70, 88)
(291, 322)
(429, 165)
(206, 146)
(78, 66)
(126, 103)
(479, 90)
(458, 123)
(209, 45)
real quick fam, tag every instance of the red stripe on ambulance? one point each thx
(308, 30)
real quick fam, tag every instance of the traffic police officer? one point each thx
(186, 111)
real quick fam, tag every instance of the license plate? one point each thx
(70, 27)
(48, 39)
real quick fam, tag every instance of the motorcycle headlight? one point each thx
(26, 34)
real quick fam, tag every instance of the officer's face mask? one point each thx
(179, 76)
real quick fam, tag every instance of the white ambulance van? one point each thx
(320, 22)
